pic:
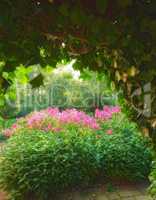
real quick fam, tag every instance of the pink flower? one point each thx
(52, 119)
(8, 132)
(106, 113)
(14, 126)
(116, 109)
(53, 112)
(107, 109)
(95, 126)
(36, 118)
(109, 131)
(103, 114)
(56, 130)
(49, 126)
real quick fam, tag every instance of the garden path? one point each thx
(122, 192)
(106, 192)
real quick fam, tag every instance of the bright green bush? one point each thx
(125, 153)
(124, 156)
(39, 163)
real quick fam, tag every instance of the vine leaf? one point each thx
(37, 81)
(124, 3)
(101, 5)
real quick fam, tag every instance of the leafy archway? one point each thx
(115, 36)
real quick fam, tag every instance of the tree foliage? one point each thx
(118, 36)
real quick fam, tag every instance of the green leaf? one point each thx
(64, 10)
(124, 3)
(37, 82)
(2, 64)
(5, 75)
(77, 16)
(2, 101)
(102, 5)
(11, 95)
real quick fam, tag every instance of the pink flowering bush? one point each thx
(54, 120)
(53, 150)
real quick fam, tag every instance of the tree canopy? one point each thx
(116, 36)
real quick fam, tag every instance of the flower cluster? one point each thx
(54, 120)
(107, 112)
(78, 117)
(10, 131)
(69, 116)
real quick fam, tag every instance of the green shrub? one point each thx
(125, 153)
(2, 137)
(124, 156)
(119, 123)
(4, 124)
(39, 163)
(1, 123)
(152, 177)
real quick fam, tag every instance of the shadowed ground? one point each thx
(120, 192)
(106, 192)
